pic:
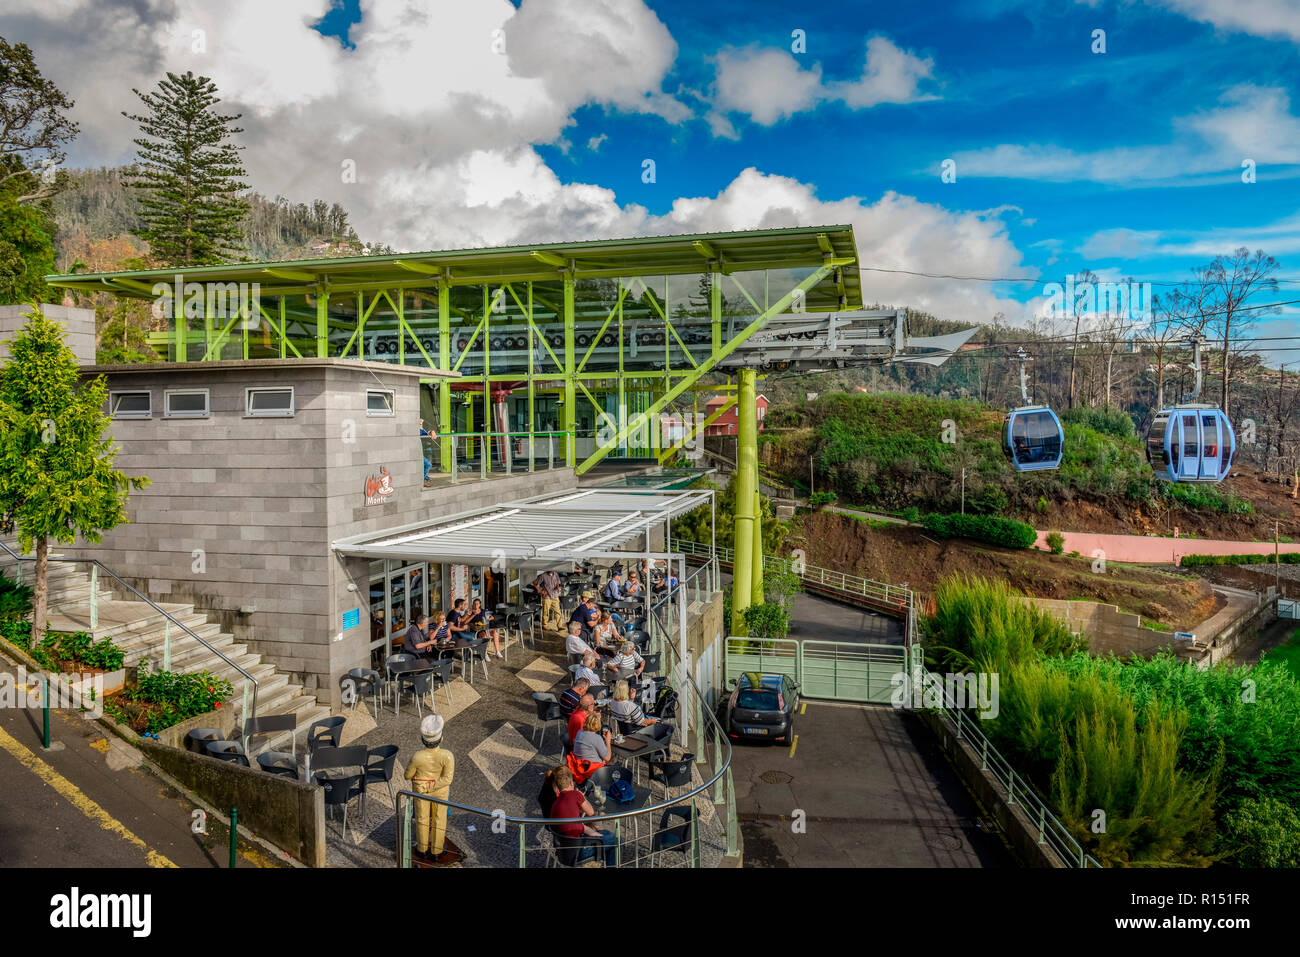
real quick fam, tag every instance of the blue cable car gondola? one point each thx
(1032, 437)
(1191, 442)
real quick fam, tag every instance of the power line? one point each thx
(1019, 279)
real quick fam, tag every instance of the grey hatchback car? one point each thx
(761, 708)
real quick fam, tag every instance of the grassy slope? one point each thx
(889, 452)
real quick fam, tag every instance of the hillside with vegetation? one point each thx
(906, 454)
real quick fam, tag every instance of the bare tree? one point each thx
(1087, 279)
(1231, 281)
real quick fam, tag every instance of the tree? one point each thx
(1231, 281)
(56, 458)
(26, 240)
(33, 127)
(189, 174)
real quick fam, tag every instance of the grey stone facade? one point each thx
(78, 326)
(241, 510)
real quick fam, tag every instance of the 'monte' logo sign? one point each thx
(379, 487)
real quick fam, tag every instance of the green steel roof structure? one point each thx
(603, 335)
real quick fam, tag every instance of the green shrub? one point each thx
(161, 699)
(1055, 543)
(1285, 558)
(1041, 506)
(1113, 422)
(1262, 833)
(911, 514)
(15, 599)
(819, 499)
(767, 621)
(983, 528)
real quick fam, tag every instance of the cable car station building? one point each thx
(292, 495)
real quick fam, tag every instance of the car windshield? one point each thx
(763, 700)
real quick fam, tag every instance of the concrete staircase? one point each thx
(139, 630)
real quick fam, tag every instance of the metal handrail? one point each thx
(403, 814)
(487, 458)
(1050, 829)
(171, 619)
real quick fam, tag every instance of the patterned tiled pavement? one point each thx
(490, 729)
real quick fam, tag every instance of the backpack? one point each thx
(666, 703)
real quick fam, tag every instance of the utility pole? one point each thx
(963, 490)
(1277, 561)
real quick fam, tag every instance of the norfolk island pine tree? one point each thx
(57, 478)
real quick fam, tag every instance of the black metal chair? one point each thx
(389, 675)
(638, 637)
(441, 672)
(548, 712)
(327, 758)
(198, 738)
(651, 664)
(475, 652)
(676, 773)
(324, 733)
(379, 767)
(279, 762)
(604, 776)
(231, 751)
(676, 837)
(419, 685)
(340, 790)
(564, 851)
(271, 724)
(361, 680)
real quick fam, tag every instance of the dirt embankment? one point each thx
(1271, 502)
(908, 555)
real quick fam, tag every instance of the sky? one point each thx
(1000, 139)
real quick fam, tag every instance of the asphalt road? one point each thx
(873, 791)
(90, 802)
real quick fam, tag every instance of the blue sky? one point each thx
(477, 122)
(1004, 74)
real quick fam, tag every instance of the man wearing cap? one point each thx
(430, 772)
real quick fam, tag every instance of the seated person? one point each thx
(626, 711)
(417, 641)
(592, 743)
(572, 699)
(613, 589)
(455, 620)
(481, 620)
(573, 643)
(439, 630)
(586, 708)
(627, 663)
(569, 803)
(605, 633)
(588, 669)
(633, 588)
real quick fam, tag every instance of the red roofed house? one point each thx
(726, 424)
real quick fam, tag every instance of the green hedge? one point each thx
(1286, 558)
(984, 528)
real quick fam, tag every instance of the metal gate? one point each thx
(834, 670)
(1288, 608)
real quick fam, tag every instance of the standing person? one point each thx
(548, 587)
(569, 803)
(430, 772)
(424, 449)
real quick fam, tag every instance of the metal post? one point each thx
(446, 427)
(570, 394)
(234, 833)
(45, 708)
(523, 843)
(455, 469)
(405, 809)
(167, 645)
(756, 586)
(746, 467)
(484, 450)
(94, 597)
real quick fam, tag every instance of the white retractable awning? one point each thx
(536, 532)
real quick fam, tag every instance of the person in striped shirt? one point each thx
(626, 711)
(573, 697)
(627, 663)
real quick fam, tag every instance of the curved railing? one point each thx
(249, 708)
(702, 736)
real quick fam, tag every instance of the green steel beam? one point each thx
(445, 425)
(707, 366)
(570, 399)
(742, 569)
